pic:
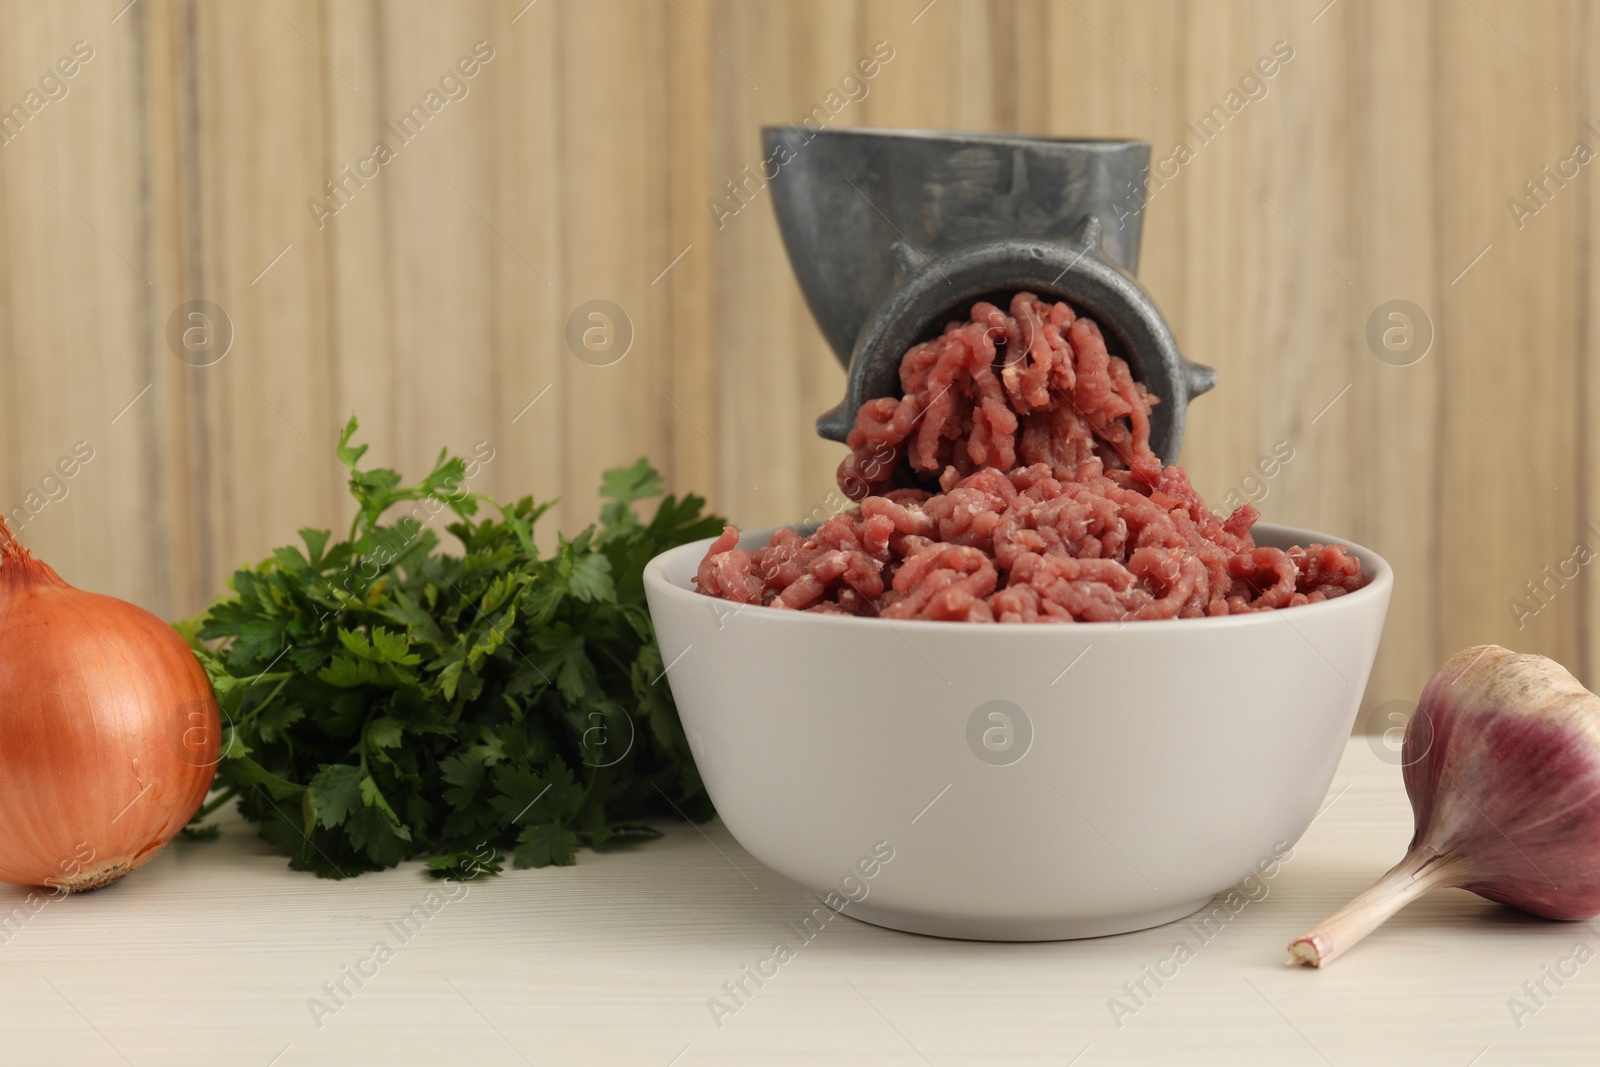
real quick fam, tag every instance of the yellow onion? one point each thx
(109, 731)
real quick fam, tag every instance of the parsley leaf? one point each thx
(335, 793)
(388, 700)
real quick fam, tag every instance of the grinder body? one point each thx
(893, 233)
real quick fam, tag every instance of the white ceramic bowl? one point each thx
(1134, 770)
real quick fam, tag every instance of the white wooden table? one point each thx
(211, 954)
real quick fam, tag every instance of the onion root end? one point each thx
(95, 877)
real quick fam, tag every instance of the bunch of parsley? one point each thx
(383, 700)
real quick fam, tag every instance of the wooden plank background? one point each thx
(180, 162)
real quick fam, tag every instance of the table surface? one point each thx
(214, 953)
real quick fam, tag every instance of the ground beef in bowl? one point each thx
(1050, 506)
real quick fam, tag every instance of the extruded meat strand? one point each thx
(1014, 482)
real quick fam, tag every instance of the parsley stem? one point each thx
(216, 802)
(363, 746)
(283, 680)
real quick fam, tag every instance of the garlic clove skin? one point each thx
(1509, 780)
(1502, 765)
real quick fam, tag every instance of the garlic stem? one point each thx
(1421, 870)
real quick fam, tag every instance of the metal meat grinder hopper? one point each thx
(893, 233)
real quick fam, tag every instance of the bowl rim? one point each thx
(1381, 585)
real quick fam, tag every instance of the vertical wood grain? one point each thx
(529, 361)
(1508, 407)
(1392, 423)
(584, 159)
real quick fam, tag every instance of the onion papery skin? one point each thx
(109, 730)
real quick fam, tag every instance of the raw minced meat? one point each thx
(1001, 390)
(1050, 506)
